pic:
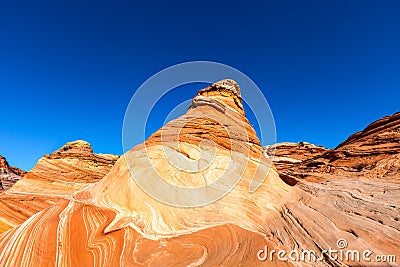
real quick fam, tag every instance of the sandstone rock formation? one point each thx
(371, 153)
(119, 221)
(286, 154)
(356, 183)
(66, 170)
(55, 176)
(293, 152)
(9, 175)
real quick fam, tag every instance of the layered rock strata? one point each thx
(55, 176)
(371, 153)
(9, 175)
(116, 222)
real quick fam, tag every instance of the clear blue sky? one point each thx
(69, 68)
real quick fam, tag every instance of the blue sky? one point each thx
(69, 68)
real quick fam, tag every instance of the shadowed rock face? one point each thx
(293, 152)
(55, 176)
(9, 175)
(287, 154)
(114, 223)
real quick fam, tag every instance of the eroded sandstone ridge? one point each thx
(9, 175)
(115, 223)
(371, 153)
(66, 170)
(287, 154)
(55, 176)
